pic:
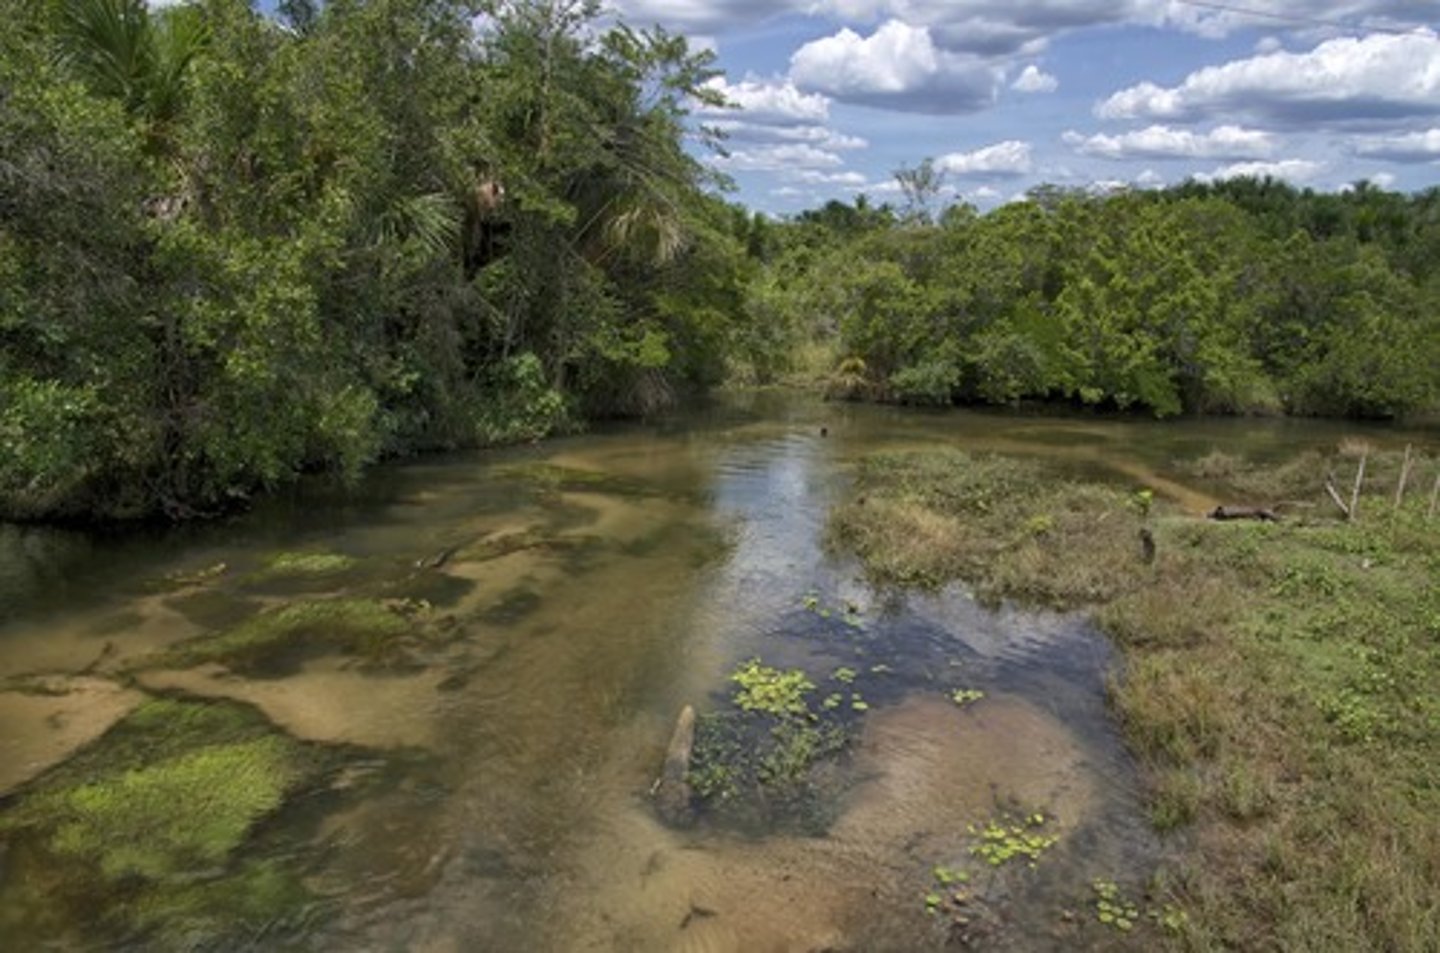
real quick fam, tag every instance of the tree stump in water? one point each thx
(672, 790)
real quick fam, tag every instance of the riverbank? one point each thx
(1276, 684)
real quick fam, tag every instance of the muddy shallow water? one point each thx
(570, 599)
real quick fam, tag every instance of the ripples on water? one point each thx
(496, 798)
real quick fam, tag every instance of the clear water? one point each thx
(501, 789)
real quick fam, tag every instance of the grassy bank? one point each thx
(1278, 679)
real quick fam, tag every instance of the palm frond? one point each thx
(431, 220)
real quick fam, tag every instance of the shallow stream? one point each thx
(489, 785)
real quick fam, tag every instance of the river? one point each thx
(493, 788)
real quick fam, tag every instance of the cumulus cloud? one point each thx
(898, 66)
(1379, 77)
(1004, 28)
(778, 158)
(768, 103)
(1032, 80)
(1003, 159)
(1409, 147)
(819, 136)
(1167, 142)
(1291, 170)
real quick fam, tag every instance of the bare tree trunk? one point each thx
(1434, 497)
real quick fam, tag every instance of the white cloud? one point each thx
(1003, 159)
(769, 103)
(1379, 77)
(819, 136)
(1410, 147)
(1150, 179)
(778, 159)
(814, 177)
(1291, 170)
(1166, 142)
(1032, 80)
(1382, 180)
(898, 66)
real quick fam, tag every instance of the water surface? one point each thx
(497, 790)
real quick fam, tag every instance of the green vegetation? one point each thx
(769, 690)
(966, 696)
(373, 630)
(1277, 683)
(155, 818)
(926, 518)
(1245, 296)
(765, 762)
(304, 564)
(1004, 839)
(237, 246)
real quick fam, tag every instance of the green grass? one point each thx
(1278, 680)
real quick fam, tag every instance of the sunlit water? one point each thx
(512, 809)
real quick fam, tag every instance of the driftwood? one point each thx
(672, 790)
(1262, 513)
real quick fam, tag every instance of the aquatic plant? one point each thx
(366, 627)
(303, 564)
(153, 829)
(1111, 908)
(769, 690)
(966, 696)
(1004, 839)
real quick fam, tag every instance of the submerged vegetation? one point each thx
(760, 764)
(1278, 677)
(275, 639)
(154, 818)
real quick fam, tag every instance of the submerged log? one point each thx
(672, 790)
(1261, 513)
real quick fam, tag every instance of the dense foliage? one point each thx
(1237, 297)
(236, 247)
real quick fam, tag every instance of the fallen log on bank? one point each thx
(1262, 513)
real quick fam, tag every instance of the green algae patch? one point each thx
(306, 564)
(148, 830)
(274, 641)
(170, 792)
(130, 824)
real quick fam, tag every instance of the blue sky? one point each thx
(1007, 94)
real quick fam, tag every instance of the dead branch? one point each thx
(1335, 495)
(1354, 510)
(1404, 478)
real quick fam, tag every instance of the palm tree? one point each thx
(122, 51)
